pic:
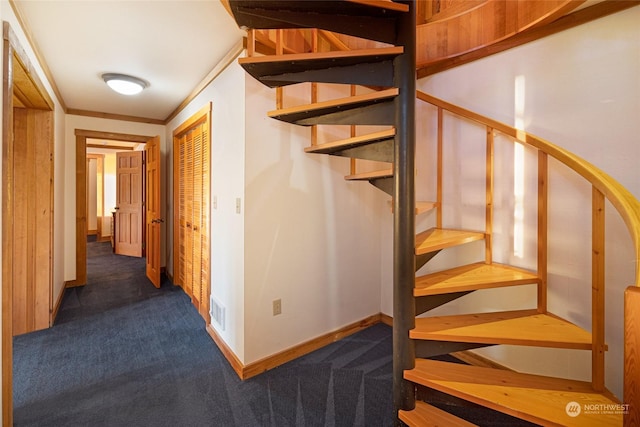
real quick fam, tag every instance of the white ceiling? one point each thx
(172, 44)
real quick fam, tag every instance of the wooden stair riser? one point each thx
(344, 17)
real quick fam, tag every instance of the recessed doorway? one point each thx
(83, 138)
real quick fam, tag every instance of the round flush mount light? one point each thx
(123, 84)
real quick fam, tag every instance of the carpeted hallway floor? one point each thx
(123, 353)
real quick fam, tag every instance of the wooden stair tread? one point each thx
(472, 277)
(425, 415)
(366, 176)
(267, 69)
(520, 327)
(355, 141)
(299, 114)
(435, 239)
(372, 19)
(535, 398)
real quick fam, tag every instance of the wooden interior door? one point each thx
(153, 205)
(129, 201)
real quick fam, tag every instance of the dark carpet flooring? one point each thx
(123, 353)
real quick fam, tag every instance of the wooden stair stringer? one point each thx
(518, 327)
(472, 277)
(366, 67)
(535, 398)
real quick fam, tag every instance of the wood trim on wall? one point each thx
(111, 116)
(255, 368)
(222, 65)
(7, 238)
(39, 58)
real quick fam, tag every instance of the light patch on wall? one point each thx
(518, 171)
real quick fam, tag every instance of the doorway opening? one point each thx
(83, 139)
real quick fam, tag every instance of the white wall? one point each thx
(311, 238)
(303, 235)
(227, 93)
(73, 122)
(580, 90)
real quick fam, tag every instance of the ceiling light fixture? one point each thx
(126, 85)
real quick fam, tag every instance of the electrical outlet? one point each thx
(277, 306)
(238, 204)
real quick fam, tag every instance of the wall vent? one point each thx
(217, 314)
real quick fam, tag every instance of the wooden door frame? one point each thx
(28, 90)
(81, 194)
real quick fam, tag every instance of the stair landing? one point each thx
(543, 400)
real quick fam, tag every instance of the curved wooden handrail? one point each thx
(625, 203)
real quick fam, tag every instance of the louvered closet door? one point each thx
(197, 216)
(204, 225)
(182, 202)
(192, 171)
(188, 214)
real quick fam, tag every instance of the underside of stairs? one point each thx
(418, 335)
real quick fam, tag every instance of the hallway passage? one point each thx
(124, 353)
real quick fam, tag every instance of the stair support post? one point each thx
(404, 214)
(598, 290)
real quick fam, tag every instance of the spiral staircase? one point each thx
(391, 70)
